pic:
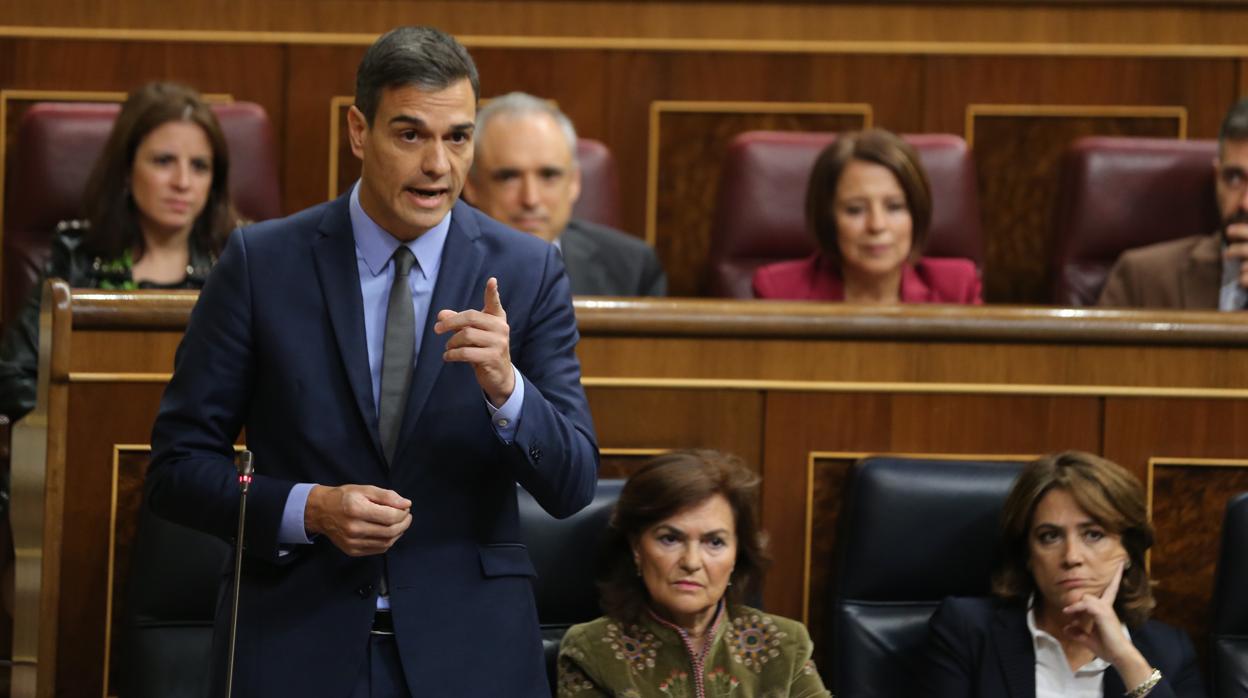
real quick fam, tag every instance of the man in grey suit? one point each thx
(526, 175)
(1200, 272)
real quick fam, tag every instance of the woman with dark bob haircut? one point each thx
(1071, 617)
(158, 212)
(682, 552)
(869, 206)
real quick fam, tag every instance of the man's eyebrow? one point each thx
(409, 120)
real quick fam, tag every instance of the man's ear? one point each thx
(357, 130)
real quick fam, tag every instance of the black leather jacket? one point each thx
(19, 349)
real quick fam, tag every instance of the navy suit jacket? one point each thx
(276, 345)
(982, 648)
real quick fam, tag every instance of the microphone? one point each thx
(243, 462)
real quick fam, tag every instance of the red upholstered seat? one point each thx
(760, 211)
(1115, 194)
(56, 145)
(600, 187)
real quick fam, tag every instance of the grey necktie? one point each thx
(397, 355)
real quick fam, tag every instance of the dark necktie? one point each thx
(397, 355)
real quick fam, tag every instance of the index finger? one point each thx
(1111, 591)
(493, 303)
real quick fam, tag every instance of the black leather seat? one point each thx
(1228, 642)
(170, 601)
(911, 533)
(563, 553)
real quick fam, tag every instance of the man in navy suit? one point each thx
(384, 554)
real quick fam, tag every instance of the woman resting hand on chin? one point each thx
(1071, 617)
(682, 552)
(869, 206)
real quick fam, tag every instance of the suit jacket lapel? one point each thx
(455, 289)
(1015, 652)
(1203, 278)
(334, 255)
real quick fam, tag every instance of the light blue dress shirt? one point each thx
(374, 248)
(1232, 296)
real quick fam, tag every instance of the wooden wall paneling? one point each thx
(89, 523)
(315, 75)
(942, 366)
(984, 424)
(248, 72)
(797, 425)
(1194, 452)
(727, 420)
(577, 80)
(1187, 501)
(1005, 21)
(1242, 88)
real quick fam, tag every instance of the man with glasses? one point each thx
(1201, 272)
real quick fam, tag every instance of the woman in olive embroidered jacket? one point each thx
(682, 551)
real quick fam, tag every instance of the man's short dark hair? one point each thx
(1235, 125)
(424, 57)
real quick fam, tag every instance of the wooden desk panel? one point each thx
(801, 391)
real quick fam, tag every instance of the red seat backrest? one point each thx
(1117, 193)
(600, 187)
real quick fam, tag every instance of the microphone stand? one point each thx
(245, 470)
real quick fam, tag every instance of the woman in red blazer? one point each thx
(869, 205)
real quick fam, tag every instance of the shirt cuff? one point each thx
(292, 531)
(506, 418)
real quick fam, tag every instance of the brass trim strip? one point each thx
(812, 386)
(632, 451)
(99, 377)
(659, 106)
(1096, 111)
(335, 124)
(812, 456)
(916, 388)
(626, 43)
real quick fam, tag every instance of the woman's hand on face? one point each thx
(1094, 624)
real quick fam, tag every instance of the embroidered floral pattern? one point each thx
(809, 667)
(634, 646)
(721, 681)
(572, 681)
(754, 640)
(676, 684)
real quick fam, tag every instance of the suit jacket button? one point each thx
(365, 591)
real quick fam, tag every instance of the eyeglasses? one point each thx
(1233, 177)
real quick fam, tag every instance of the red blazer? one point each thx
(932, 280)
